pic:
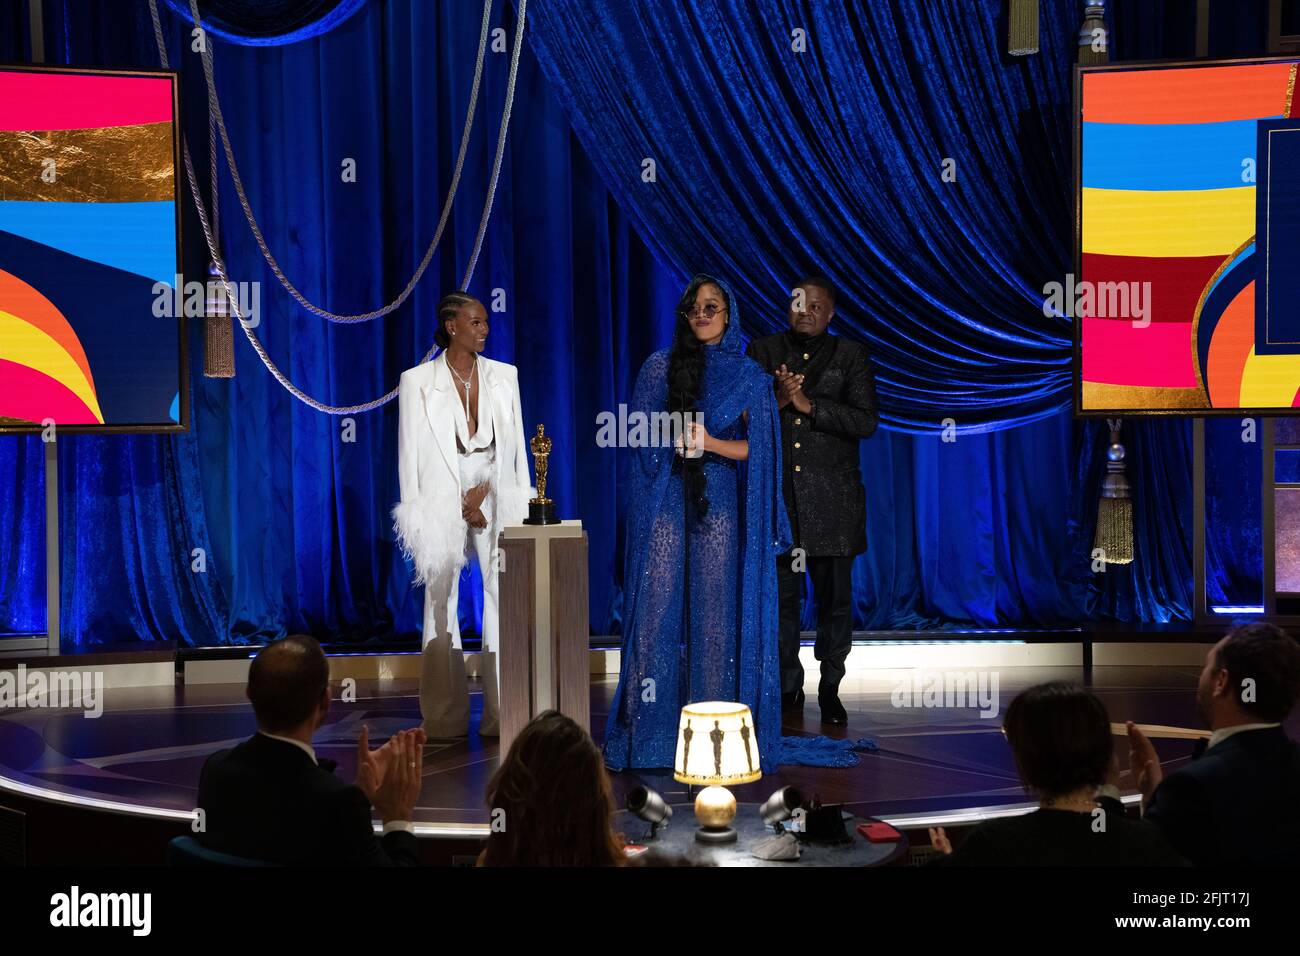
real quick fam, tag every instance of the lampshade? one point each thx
(717, 745)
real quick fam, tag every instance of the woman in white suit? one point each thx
(464, 476)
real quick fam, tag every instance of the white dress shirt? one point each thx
(305, 748)
(1223, 733)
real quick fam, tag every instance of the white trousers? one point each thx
(444, 688)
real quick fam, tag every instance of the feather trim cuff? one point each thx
(431, 534)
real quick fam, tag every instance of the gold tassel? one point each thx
(1094, 41)
(1022, 27)
(218, 332)
(1115, 530)
(1114, 537)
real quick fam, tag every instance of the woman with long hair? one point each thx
(464, 476)
(550, 800)
(705, 523)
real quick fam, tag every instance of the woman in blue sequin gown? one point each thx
(703, 533)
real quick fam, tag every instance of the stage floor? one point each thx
(144, 753)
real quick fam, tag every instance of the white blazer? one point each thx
(427, 520)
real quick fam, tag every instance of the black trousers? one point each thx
(832, 581)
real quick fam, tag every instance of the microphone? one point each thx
(682, 383)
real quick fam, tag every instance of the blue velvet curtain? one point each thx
(788, 136)
(293, 520)
(269, 22)
(845, 118)
(832, 162)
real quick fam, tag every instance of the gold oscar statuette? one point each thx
(541, 510)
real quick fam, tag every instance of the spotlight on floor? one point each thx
(648, 805)
(780, 807)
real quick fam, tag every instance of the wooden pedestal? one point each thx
(544, 627)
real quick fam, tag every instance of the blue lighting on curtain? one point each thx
(769, 164)
(269, 22)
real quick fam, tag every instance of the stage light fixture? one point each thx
(780, 807)
(650, 806)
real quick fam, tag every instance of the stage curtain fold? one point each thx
(769, 163)
(889, 146)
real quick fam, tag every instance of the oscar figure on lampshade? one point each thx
(717, 747)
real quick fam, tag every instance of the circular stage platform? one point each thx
(947, 766)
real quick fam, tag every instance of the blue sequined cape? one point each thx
(724, 580)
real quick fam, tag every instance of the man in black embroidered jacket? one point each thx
(272, 799)
(827, 394)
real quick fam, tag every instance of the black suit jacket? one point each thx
(266, 800)
(1237, 804)
(824, 497)
(1064, 838)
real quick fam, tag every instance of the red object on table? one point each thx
(878, 832)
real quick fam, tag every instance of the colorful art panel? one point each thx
(1170, 201)
(89, 247)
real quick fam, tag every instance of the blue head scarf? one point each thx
(731, 378)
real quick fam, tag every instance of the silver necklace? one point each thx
(467, 384)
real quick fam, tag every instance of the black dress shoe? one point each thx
(833, 711)
(792, 701)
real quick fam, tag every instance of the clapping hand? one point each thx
(372, 765)
(1143, 762)
(398, 784)
(789, 390)
(939, 840)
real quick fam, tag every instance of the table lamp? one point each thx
(717, 747)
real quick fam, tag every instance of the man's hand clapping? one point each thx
(789, 390)
(390, 776)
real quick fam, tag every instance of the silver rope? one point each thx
(212, 166)
(501, 142)
(478, 241)
(214, 111)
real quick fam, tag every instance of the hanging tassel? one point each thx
(1115, 508)
(1094, 41)
(1022, 27)
(218, 332)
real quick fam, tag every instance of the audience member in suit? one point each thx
(1238, 802)
(550, 802)
(1060, 736)
(271, 799)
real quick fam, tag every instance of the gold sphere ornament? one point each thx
(715, 807)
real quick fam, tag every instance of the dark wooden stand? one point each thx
(545, 634)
